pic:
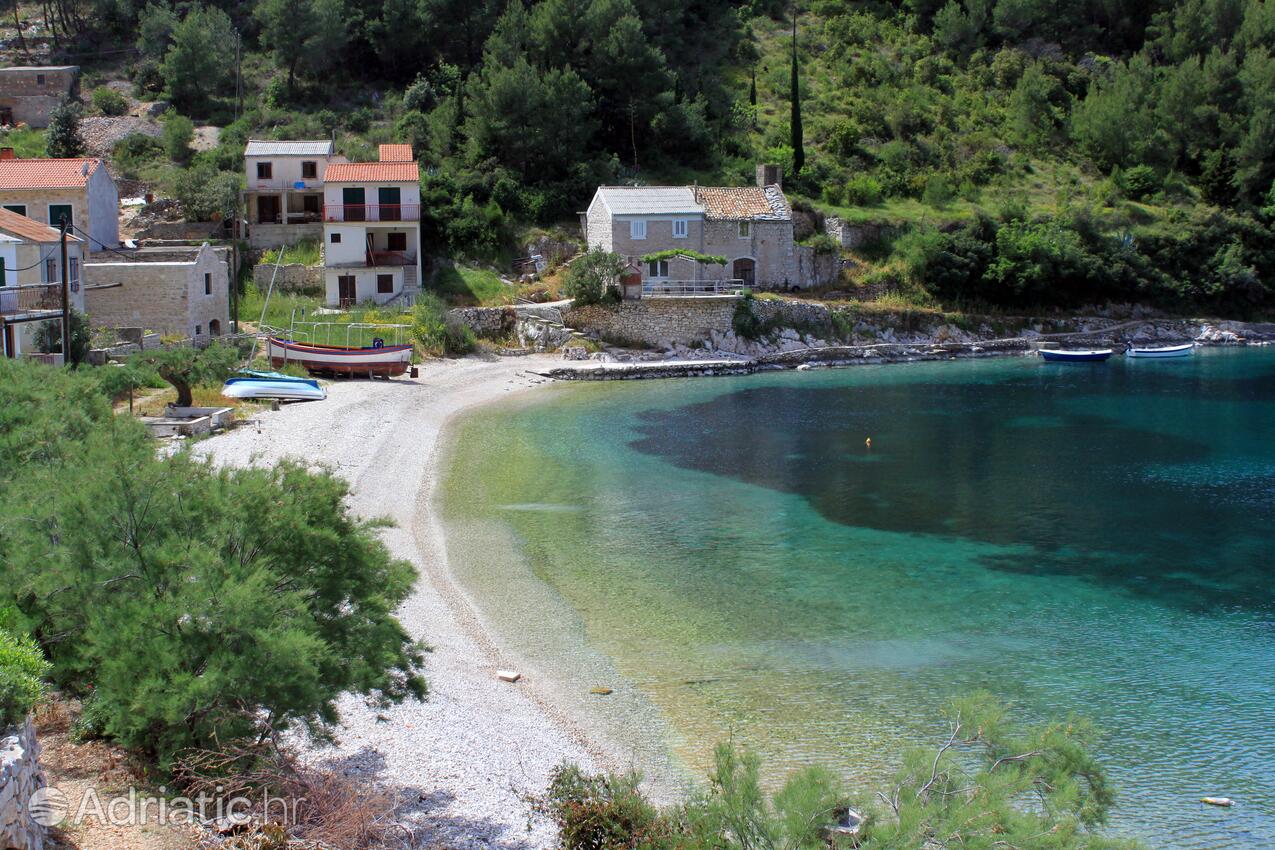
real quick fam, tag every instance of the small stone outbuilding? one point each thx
(172, 290)
(29, 94)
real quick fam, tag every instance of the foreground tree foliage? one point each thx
(198, 606)
(989, 784)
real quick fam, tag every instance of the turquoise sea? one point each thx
(733, 558)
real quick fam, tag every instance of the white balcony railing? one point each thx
(662, 288)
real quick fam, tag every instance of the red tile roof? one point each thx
(396, 153)
(730, 202)
(372, 172)
(46, 173)
(30, 230)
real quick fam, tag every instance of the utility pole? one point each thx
(66, 301)
(238, 78)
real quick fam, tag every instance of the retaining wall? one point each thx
(293, 277)
(20, 777)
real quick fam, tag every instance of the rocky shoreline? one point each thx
(790, 350)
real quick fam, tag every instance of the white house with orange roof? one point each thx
(31, 279)
(47, 190)
(372, 230)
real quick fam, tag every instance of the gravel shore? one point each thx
(474, 751)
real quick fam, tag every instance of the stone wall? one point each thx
(293, 277)
(185, 230)
(275, 235)
(659, 322)
(20, 777)
(855, 235)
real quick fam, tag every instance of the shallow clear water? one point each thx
(1095, 539)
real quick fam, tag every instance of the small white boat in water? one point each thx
(1168, 351)
(1065, 355)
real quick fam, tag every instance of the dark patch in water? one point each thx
(1075, 486)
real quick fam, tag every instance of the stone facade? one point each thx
(657, 322)
(275, 235)
(20, 777)
(293, 277)
(31, 94)
(182, 291)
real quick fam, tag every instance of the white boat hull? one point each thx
(1169, 351)
(282, 390)
(386, 361)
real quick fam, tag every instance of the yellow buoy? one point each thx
(868, 442)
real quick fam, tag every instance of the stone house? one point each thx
(31, 279)
(372, 229)
(284, 190)
(175, 290)
(46, 190)
(751, 226)
(29, 94)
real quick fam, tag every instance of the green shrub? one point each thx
(863, 190)
(206, 193)
(134, 151)
(201, 606)
(744, 321)
(593, 277)
(600, 812)
(108, 101)
(1138, 182)
(48, 336)
(436, 332)
(179, 132)
(22, 670)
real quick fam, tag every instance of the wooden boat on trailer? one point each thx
(376, 360)
(1059, 355)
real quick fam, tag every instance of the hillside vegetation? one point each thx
(1012, 153)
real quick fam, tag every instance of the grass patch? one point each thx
(469, 286)
(25, 142)
(305, 253)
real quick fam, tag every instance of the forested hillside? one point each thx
(1013, 152)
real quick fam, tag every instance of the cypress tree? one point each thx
(798, 148)
(63, 139)
(752, 89)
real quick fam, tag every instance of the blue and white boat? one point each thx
(273, 385)
(1168, 351)
(1094, 355)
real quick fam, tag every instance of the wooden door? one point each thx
(389, 200)
(346, 290)
(354, 201)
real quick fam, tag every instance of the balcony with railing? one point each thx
(30, 299)
(297, 184)
(665, 288)
(372, 212)
(377, 259)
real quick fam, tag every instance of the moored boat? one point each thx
(1093, 355)
(375, 360)
(1167, 351)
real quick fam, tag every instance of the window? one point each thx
(207, 283)
(59, 211)
(50, 271)
(39, 79)
(265, 170)
(336, 238)
(745, 229)
(20, 209)
(657, 268)
(199, 329)
(4, 278)
(396, 241)
(75, 274)
(384, 284)
(679, 228)
(637, 229)
(309, 169)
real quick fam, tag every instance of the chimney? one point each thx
(769, 174)
(7, 153)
